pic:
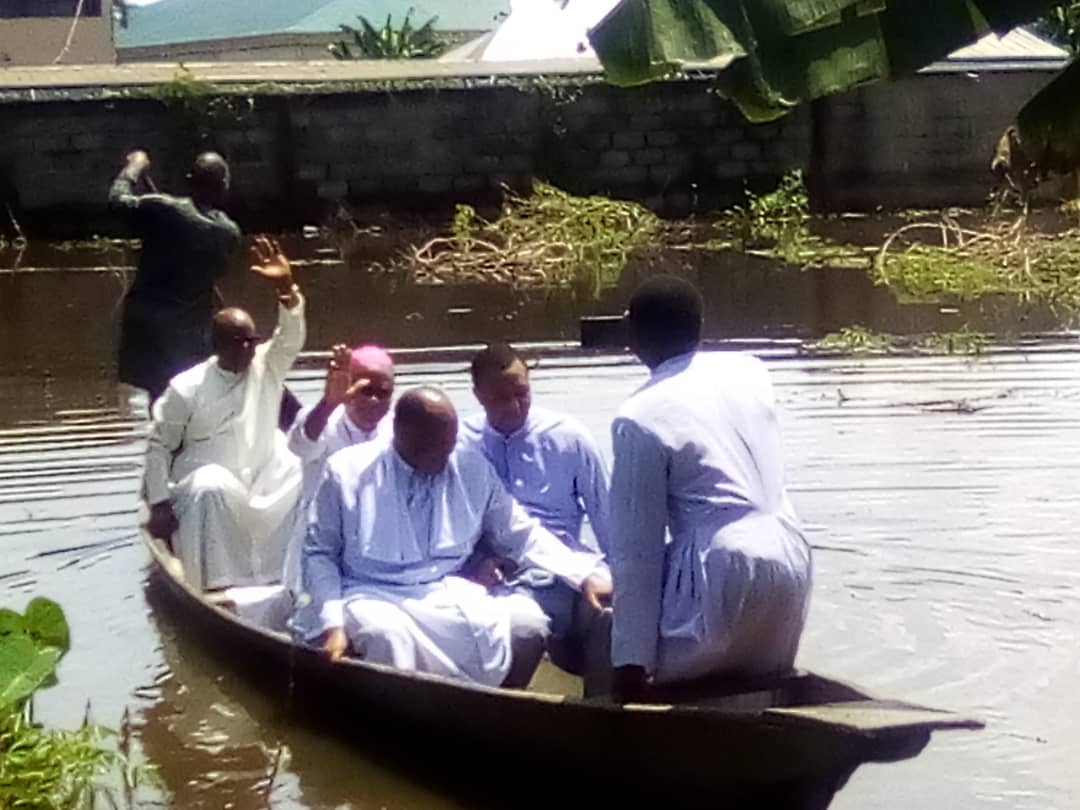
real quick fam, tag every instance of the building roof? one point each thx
(173, 21)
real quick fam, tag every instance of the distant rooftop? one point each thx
(175, 21)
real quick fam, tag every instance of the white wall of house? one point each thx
(39, 40)
(265, 48)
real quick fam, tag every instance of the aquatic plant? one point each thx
(48, 769)
(776, 221)
(858, 339)
(389, 42)
(968, 262)
(544, 239)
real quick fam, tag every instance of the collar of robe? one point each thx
(387, 531)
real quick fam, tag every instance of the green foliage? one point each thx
(45, 769)
(778, 219)
(546, 239)
(970, 263)
(775, 54)
(198, 110)
(388, 42)
(858, 339)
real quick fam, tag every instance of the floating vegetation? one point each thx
(48, 769)
(964, 262)
(546, 239)
(776, 225)
(860, 340)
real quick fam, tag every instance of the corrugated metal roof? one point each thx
(1017, 44)
(170, 21)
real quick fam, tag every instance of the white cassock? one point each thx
(698, 454)
(340, 432)
(385, 544)
(216, 452)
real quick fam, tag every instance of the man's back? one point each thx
(715, 415)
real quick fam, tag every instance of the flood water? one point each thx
(940, 494)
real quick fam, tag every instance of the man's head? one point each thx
(501, 385)
(664, 319)
(371, 375)
(233, 339)
(425, 429)
(208, 180)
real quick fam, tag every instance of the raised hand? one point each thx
(138, 160)
(270, 262)
(338, 387)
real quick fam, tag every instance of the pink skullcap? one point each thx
(371, 357)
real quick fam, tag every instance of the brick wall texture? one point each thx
(677, 146)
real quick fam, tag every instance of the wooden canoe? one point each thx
(795, 739)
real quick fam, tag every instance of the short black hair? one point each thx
(667, 312)
(494, 359)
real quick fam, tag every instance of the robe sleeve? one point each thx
(321, 558)
(592, 484)
(140, 208)
(287, 340)
(301, 446)
(517, 535)
(171, 413)
(638, 502)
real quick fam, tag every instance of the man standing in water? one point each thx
(187, 244)
(698, 455)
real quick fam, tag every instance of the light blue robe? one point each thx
(383, 549)
(552, 468)
(698, 454)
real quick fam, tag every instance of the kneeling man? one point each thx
(391, 529)
(219, 478)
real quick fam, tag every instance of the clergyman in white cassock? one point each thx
(388, 538)
(218, 470)
(697, 455)
(353, 410)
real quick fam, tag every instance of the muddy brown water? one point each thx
(940, 494)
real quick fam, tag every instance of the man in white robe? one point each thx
(220, 481)
(697, 454)
(390, 530)
(354, 409)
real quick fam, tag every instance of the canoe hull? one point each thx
(734, 747)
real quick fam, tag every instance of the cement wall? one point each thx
(39, 40)
(677, 146)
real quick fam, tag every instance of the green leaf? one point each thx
(24, 667)
(46, 624)
(11, 621)
(774, 54)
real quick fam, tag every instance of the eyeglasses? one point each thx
(245, 341)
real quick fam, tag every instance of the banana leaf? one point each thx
(31, 645)
(1050, 123)
(774, 54)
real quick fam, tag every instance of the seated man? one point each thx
(221, 484)
(550, 465)
(389, 532)
(353, 410)
(698, 454)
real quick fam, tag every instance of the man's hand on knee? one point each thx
(335, 643)
(162, 522)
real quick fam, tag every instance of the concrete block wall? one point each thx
(676, 146)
